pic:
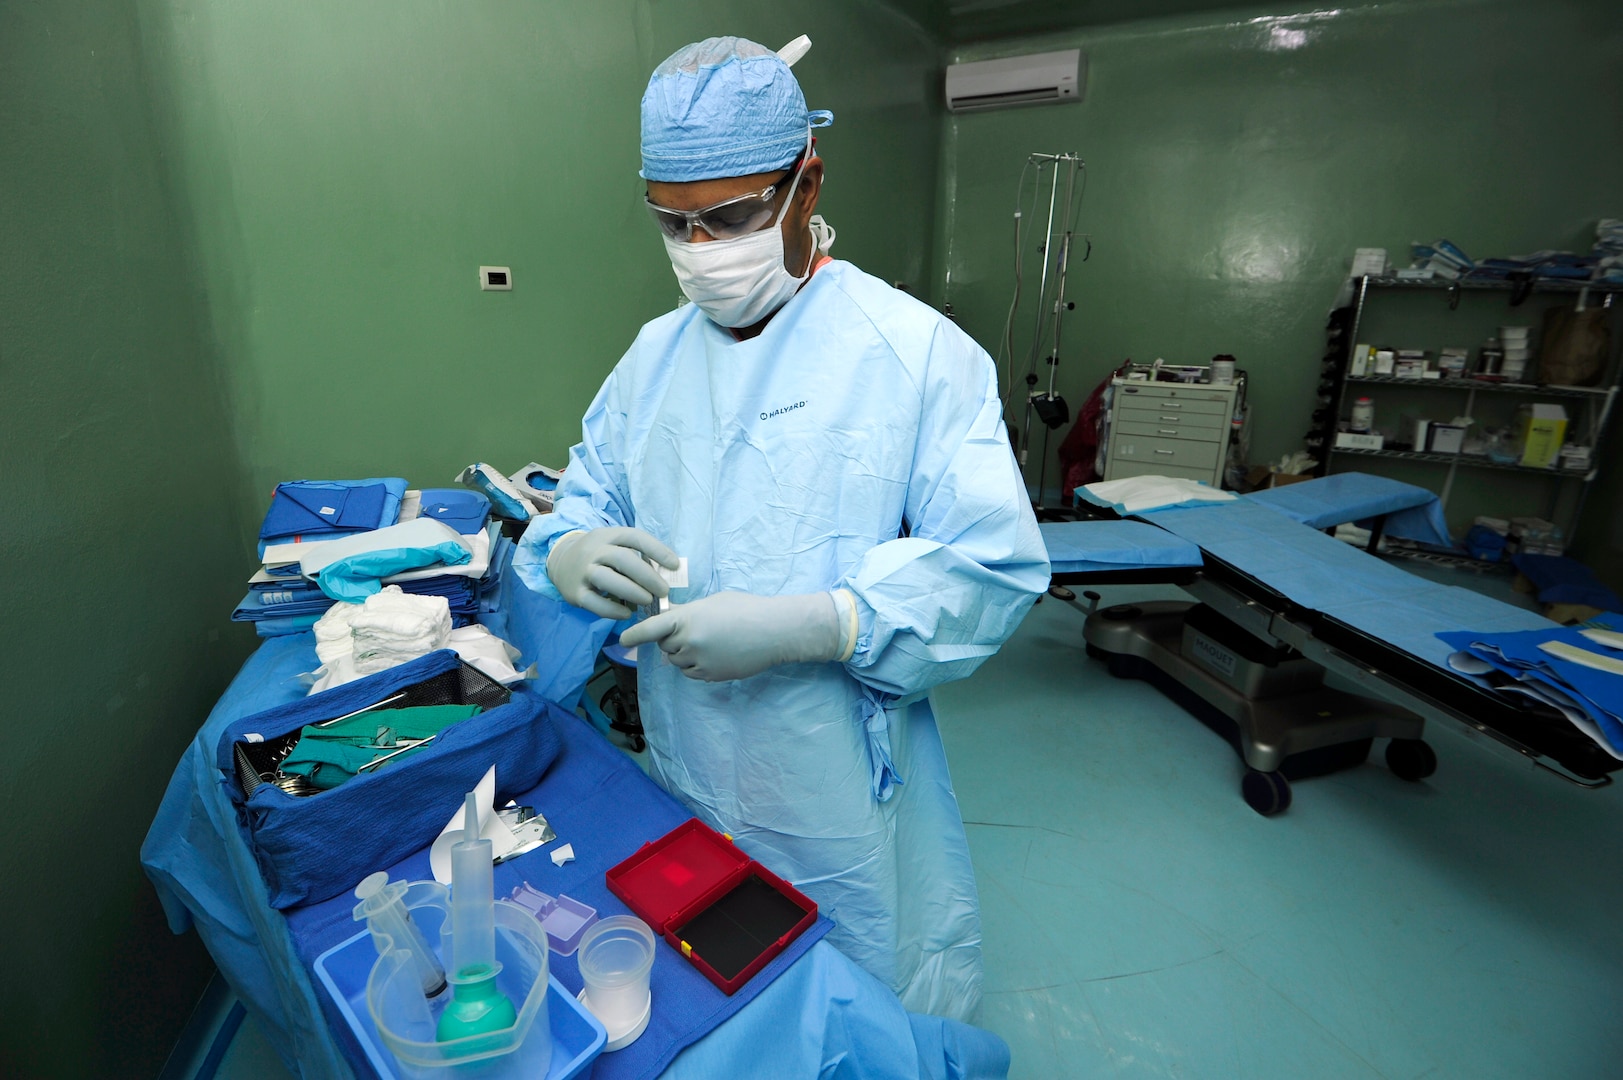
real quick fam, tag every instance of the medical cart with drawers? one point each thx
(1169, 429)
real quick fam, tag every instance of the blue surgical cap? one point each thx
(723, 107)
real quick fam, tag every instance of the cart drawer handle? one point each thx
(1167, 431)
(1168, 452)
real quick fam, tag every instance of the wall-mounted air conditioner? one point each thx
(1039, 79)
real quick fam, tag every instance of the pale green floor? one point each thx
(1141, 921)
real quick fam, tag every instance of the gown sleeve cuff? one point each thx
(534, 549)
(845, 612)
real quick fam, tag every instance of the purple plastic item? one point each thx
(564, 918)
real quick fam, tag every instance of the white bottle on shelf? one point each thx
(1363, 416)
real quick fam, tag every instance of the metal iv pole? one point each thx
(1049, 407)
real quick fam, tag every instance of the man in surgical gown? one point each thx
(829, 456)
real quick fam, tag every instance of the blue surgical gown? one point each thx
(857, 443)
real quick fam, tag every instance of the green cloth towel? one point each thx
(330, 755)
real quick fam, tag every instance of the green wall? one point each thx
(118, 544)
(962, 21)
(347, 167)
(1236, 160)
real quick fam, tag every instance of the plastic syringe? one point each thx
(473, 895)
(382, 907)
(476, 1005)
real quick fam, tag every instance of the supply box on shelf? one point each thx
(1446, 438)
(1361, 361)
(1535, 536)
(725, 912)
(1543, 428)
(1352, 440)
(1575, 458)
(1451, 363)
(1414, 432)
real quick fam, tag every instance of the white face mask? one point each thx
(741, 281)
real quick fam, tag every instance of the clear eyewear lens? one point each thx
(671, 223)
(724, 221)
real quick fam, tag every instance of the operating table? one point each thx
(1276, 606)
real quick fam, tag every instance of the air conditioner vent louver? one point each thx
(1016, 97)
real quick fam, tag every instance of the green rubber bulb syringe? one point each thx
(476, 1005)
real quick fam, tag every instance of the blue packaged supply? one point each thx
(463, 510)
(324, 509)
(505, 498)
(1485, 544)
(310, 847)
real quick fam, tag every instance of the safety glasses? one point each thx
(726, 220)
(730, 218)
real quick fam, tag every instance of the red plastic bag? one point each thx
(1079, 453)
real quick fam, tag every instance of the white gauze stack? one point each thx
(390, 628)
(393, 627)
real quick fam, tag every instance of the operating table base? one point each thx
(1269, 703)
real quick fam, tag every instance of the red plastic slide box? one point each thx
(693, 882)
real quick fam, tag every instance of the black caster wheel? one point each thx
(638, 744)
(1094, 652)
(1119, 666)
(1268, 793)
(1411, 759)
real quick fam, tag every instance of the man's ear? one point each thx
(811, 186)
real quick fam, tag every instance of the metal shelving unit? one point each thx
(1486, 386)
(1473, 461)
(1598, 402)
(1469, 283)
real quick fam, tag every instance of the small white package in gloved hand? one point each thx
(675, 579)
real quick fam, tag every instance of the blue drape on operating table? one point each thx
(1412, 513)
(1080, 547)
(1326, 575)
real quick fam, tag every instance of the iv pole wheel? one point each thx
(1268, 793)
(1411, 759)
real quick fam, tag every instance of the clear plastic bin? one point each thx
(406, 1020)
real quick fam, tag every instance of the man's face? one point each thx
(700, 194)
